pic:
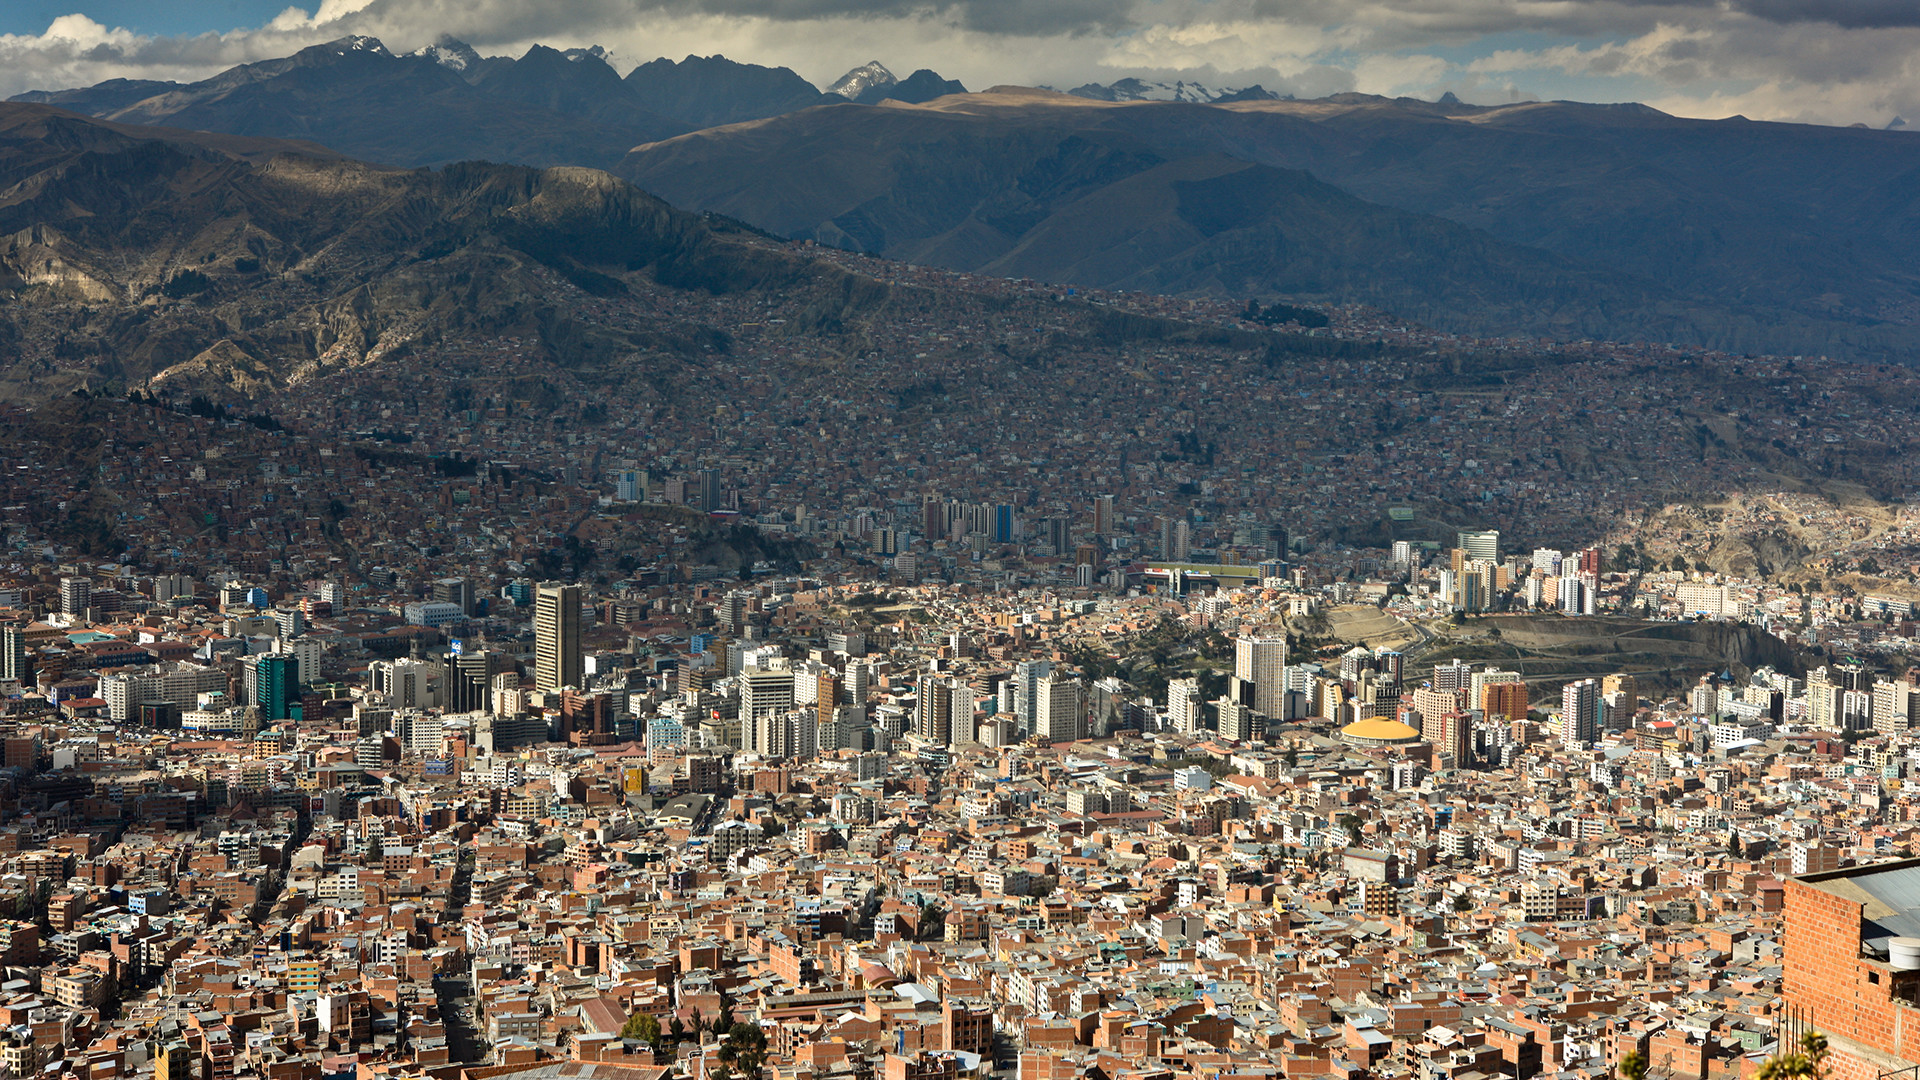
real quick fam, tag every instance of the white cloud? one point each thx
(1391, 75)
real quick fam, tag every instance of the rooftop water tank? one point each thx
(1903, 953)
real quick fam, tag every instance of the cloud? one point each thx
(1829, 61)
(1392, 75)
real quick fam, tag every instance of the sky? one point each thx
(1817, 61)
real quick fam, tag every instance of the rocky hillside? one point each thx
(133, 255)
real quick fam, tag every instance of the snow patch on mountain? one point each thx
(861, 79)
(358, 43)
(449, 53)
(1131, 89)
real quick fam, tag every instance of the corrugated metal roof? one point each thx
(1890, 903)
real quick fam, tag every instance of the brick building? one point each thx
(1839, 978)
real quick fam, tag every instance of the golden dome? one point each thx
(1380, 729)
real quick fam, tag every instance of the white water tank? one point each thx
(1903, 953)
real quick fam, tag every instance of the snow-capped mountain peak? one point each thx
(358, 43)
(1132, 89)
(861, 79)
(449, 53)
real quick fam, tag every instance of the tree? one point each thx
(643, 1026)
(745, 1044)
(932, 914)
(746, 1035)
(1632, 1067)
(1806, 1063)
(676, 1029)
(1464, 903)
(1350, 824)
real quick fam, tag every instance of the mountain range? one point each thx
(286, 283)
(1558, 219)
(1555, 219)
(446, 103)
(231, 266)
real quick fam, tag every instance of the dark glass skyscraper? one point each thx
(279, 680)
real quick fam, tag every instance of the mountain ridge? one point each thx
(444, 102)
(1728, 235)
(227, 266)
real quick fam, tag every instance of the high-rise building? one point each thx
(279, 686)
(76, 593)
(1439, 716)
(764, 693)
(1006, 527)
(1456, 675)
(13, 653)
(1572, 595)
(556, 636)
(1241, 722)
(1103, 515)
(1894, 706)
(1026, 688)
(1060, 713)
(470, 680)
(826, 689)
(933, 709)
(1262, 661)
(1853, 675)
(859, 682)
(1504, 700)
(710, 490)
(407, 683)
(629, 485)
(1183, 705)
(1580, 712)
(1824, 688)
(1624, 685)
(508, 698)
(1182, 540)
(1058, 532)
(454, 590)
(1483, 544)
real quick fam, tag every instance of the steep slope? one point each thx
(1751, 237)
(214, 264)
(871, 77)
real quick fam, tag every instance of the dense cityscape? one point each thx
(474, 621)
(945, 792)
